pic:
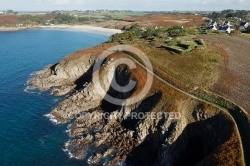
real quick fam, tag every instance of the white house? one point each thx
(244, 26)
(212, 28)
(227, 23)
(225, 29)
(212, 23)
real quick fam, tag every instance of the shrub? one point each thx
(176, 31)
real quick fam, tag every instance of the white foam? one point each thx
(52, 118)
(69, 126)
(28, 88)
(67, 144)
(55, 100)
(105, 162)
(71, 155)
(68, 131)
(31, 89)
(90, 159)
(65, 150)
(78, 158)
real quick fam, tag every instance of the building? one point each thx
(212, 26)
(244, 26)
(212, 23)
(227, 23)
(225, 29)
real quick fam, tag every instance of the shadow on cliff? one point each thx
(197, 141)
(53, 69)
(145, 106)
(122, 76)
(85, 78)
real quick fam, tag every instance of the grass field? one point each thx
(186, 58)
(197, 68)
(112, 15)
(235, 77)
(185, 46)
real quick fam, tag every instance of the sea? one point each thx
(27, 137)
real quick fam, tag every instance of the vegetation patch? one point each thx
(183, 47)
(199, 67)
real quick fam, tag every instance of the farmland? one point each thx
(235, 78)
(159, 20)
(169, 20)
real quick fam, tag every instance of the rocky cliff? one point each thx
(192, 133)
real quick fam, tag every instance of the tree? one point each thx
(83, 19)
(148, 33)
(176, 31)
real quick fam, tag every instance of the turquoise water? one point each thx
(27, 137)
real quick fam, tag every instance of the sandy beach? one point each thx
(9, 29)
(85, 28)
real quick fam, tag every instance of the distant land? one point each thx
(118, 19)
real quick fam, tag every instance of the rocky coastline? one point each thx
(198, 137)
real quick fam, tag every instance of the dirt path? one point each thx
(234, 83)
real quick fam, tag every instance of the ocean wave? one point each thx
(52, 118)
(68, 131)
(71, 155)
(33, 74)
(67, 150)
(31, 89)
(68, 128)
(55, 100)
(67, 144)
(90, 159)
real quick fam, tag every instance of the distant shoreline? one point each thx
(11, 29)
(83, 28)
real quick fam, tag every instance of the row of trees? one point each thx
(68, 19)
(244, 14)
(28, 19)
(136, 32)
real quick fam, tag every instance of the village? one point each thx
(227, 27)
